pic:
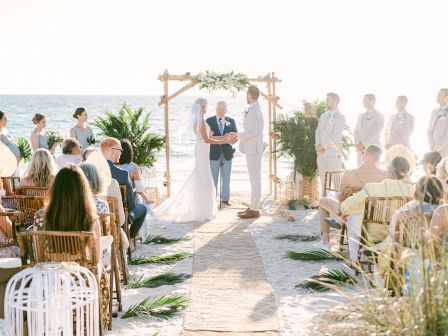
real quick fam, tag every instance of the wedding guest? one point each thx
(126, 163)
(71, 153)
(6, 138)
(39, 137)
(82, 131)
(442, 173)
(399, 126)
(111, 149)
(369, 126)
(6, 233)
(329, 139)
(438, 228)
(353, 207)
(430, 162)
(41, 170)
(221, 155)
(438, 125)
(86, 152)
(354, 179)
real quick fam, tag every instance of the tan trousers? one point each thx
(327, 206)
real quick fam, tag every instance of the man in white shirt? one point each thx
(71, 153)
(438, 125)
(329, 138)
(369, 127)
(399, 126)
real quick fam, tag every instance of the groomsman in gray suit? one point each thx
(369, 127)
(438, 125)
(329, 138)
(221, 155)
(399, 126)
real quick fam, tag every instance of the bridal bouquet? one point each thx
(54, 138)
(91, 140)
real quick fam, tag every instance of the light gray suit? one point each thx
(251, 144)
(368, 129)
(438, 131)
(329, 136)
(399, 129)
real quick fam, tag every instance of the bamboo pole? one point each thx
(270, 135)
(165, 99)
(274, 115)
(167, 135)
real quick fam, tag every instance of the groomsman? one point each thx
(399, 126)
(438, 125)
(369, 126)
(329, 138)
(221, 155)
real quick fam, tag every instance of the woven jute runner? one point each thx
(229, 290)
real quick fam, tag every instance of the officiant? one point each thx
(221, 155)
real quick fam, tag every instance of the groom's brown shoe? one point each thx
(250, 214)
(242, 212)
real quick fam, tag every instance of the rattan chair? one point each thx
(332, 181)
(32, 191)
(10, 184)
(28, 205)
(124, 197)
(343, 236)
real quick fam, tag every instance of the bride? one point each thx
(195, 201)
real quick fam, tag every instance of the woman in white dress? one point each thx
(195, 200)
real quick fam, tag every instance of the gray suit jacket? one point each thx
(399, 129)
(438, 131)
(368, 128)
(329, 133)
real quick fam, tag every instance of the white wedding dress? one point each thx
(195, 200)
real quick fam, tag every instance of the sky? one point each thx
(111, 47)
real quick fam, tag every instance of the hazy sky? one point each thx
(120, 47)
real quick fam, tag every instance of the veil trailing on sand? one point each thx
(191, 120)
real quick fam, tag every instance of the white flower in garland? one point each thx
(230, 81)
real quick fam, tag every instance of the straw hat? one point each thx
(400, 150)
(97, 159)
(8, 164)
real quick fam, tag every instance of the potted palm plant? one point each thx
(132, 125)
(295, 134)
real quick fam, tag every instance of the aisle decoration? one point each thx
(164, 259)
(158, 280)
(160, 307)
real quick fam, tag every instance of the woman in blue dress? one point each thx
(82, 131)
(6, 138)
(39, 137)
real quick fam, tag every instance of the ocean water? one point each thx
(59, 110)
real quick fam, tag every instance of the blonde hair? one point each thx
(41, 168)
(203, 103)
(109, 142)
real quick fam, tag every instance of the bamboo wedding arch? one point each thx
(270, 96)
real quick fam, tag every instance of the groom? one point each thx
(221, 155)
(251, 144)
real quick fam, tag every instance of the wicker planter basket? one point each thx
(309, 188)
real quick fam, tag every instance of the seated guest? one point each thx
(442, 172)
(6, 233)
(353, 207)
(71, 153)
(430, 162)
(111, 149)
(86, 152)
(41, 170)
(438, 228)
(134, 173)
(353, 179)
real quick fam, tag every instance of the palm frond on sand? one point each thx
(322, 282)
(164, 259)
(162, 307)
(158, 280)
(299, 238)
(314, 255)
(162, 240)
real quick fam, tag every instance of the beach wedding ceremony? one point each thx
(223, 168)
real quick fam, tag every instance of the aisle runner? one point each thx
(229, 290)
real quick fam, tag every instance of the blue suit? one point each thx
(221, 155)
(137, 212)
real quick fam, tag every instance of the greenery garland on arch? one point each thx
(230, 81)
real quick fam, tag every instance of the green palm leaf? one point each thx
(322, 281)
(165, 259)
(24, 148)
(299, 238)
(158, 280)
(163, 307)
(157, 333)
(314, 255)
(162, 240)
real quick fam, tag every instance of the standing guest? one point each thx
(221, 155)
(71, 153)
(6, 138)
(399, 126)
(351, 180)
(369, 126)
(39, 137)
(126, 163)
(329, 139)
(111, 149)
(430, 162)
(82, 131)
(353, 207)
(41, 170)
(438, 125)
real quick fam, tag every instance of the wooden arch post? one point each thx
(271, 97)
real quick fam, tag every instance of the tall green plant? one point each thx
(296, 137)
(134, 126)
